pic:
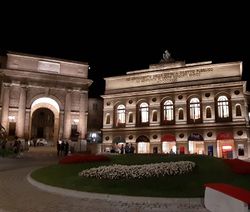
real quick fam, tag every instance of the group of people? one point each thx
(128, 148)
(62, 148)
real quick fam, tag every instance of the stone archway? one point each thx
(48, 110)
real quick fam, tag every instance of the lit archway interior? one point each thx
(44, 119)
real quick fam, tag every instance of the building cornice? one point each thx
(174, 89)
(206, 126)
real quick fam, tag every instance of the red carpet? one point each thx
(236, 192)
(238, 166)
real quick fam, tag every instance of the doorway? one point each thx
(42, 125)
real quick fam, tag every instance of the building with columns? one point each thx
(174, 107)
(43, 97)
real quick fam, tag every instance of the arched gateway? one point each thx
(43, 97)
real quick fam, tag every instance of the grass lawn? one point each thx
(207, 170)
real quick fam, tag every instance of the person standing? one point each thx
(66, 148)
(62, 148)
(122, 149)
(58, 147)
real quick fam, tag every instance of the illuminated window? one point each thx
(168, 111)
(208, 112)
(223, 107)
(194, 106)
(181, 116)
(120, 114)
(144, 112)
(238, 110)
(143, 147)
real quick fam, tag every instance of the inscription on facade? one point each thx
(170, 77)
(46, 66)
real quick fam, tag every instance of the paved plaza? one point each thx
(19, 193)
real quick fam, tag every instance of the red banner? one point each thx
(225, 136)
(168, 137)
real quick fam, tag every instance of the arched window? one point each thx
(180, 114)
(130, 117)
(107, 118)
(154, 115)
(208, 112)
(168, 111)
(120, 115)
(238, 110)
(223, 107)
(143, 110)
(194, 109)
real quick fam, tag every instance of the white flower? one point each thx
(117, 171)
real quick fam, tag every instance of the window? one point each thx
(120, 114)
(130, 117)
(223, 107)
(180, 115)
(168, 111)
(208, 112)
(194, 107)
(107, 118)
(241, 151)
(238, 110)
(154, 115)
(143, 112)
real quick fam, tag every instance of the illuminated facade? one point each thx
(43, 97)
(173, 107)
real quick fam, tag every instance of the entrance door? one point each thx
(168, 146)
(227, 152)
(40, 132)
(196, 147)
(43, 124)
(210, 150)
(143, 147)
(182, 150)
(225, 148)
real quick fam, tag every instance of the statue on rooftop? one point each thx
(166, 58)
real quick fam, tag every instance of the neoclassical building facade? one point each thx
(43, 97)
(198, 108)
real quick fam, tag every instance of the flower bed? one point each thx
(238, 166)
(78, 158)
(139, 171)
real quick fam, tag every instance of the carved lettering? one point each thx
(170, 77)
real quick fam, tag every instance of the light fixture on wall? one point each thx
(76, 121)
(12, 118)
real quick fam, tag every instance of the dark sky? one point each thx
(120, 38)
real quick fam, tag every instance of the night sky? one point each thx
(128, 37)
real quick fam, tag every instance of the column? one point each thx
(67, 116)
(61, 119)
(21, 113)
(5, 107)
(83, 117)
